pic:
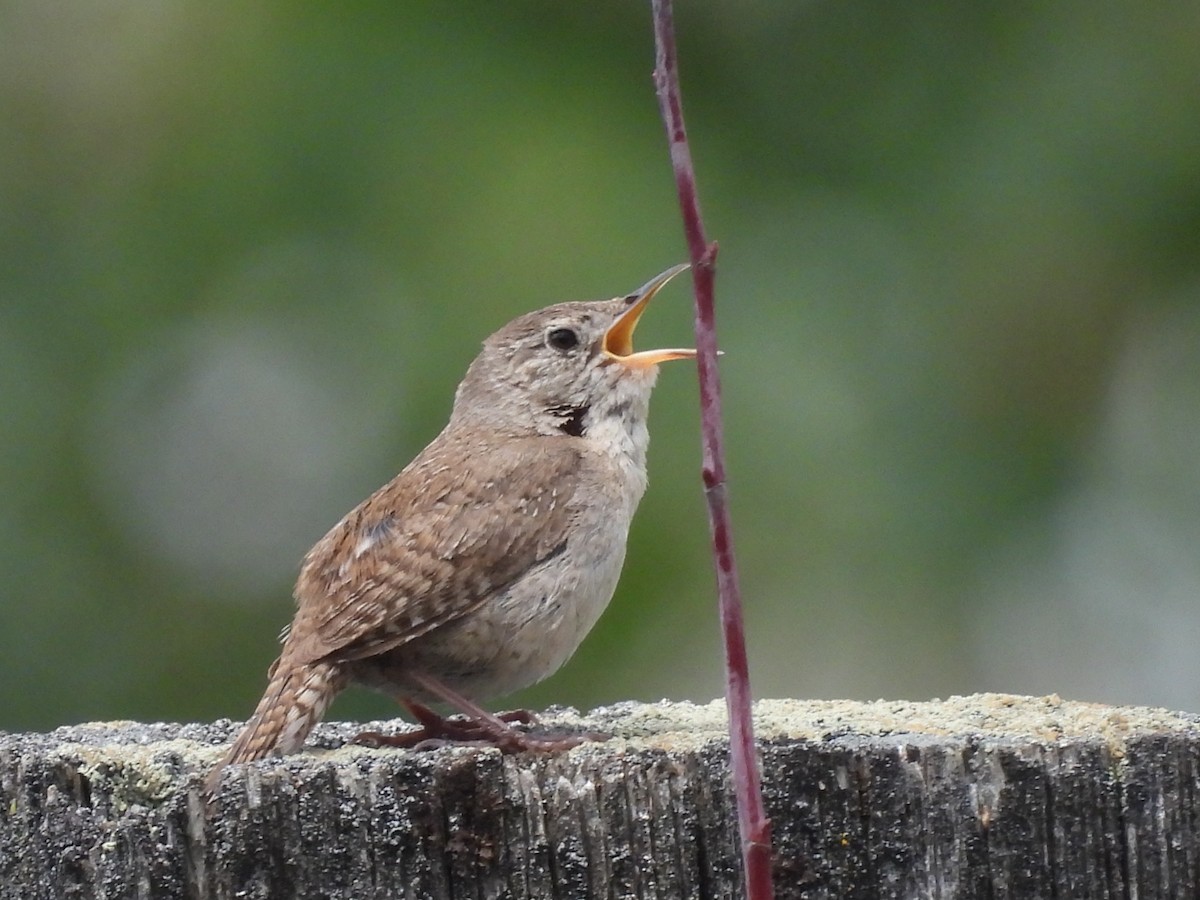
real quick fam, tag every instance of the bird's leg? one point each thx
(483, 728)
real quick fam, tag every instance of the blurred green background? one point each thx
(247, 251)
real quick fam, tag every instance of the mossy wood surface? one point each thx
(987, 796)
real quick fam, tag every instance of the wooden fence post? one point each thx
(989, 796)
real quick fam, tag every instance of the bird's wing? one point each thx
(434, 543)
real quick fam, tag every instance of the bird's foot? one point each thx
(437, 731)
(496, 731)
(547, 741)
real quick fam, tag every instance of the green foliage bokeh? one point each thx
(247, 251)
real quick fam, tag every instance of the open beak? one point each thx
(618, 340)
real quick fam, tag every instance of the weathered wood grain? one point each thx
(987, 796)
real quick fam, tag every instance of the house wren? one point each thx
(479, 569)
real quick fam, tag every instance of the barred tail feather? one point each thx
(294, 702)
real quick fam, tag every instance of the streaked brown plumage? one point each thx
(482, 565)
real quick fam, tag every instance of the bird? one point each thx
(480, 568)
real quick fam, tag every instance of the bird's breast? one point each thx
(617, 446)
(525, 632)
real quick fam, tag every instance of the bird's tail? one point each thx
(294, 702)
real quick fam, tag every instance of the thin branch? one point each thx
(752, 820)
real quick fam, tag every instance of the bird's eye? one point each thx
(562, 339)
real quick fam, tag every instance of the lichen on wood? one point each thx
(985, 796)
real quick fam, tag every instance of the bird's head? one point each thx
(569, 368)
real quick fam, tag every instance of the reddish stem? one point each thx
(753, 823)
